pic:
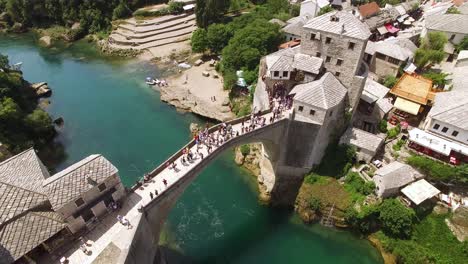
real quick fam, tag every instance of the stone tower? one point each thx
(339, 38)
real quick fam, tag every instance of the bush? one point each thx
(315, 204)
(398, 145)
(389, 81)
(337, 161)
(439, 171)
(356, 184)
(121, 11)
(383, 126)
(396, 219)
(245, 149)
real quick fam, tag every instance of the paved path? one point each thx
(111, 231)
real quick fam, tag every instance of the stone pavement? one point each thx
(111, 236)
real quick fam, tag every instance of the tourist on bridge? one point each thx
(151, 195)
(156, 193)
(165, 182)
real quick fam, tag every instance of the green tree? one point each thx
(121, 11)
(218, 37)
(278, 6)
(431, 50)
(9, 111)
(210, 11)
(325, 9)
(39, 122)
(439, 79)
(396, 219)
(199, 41)
(315, 204)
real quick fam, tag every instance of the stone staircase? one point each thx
(156, 32)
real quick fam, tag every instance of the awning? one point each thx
(188, 7)
(420, 191)
(436, 143)
(407, 106)
(390, 28)
(382, 30)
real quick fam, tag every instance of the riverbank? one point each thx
(191, 91)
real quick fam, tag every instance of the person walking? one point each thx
(151, 195)
(165, 182)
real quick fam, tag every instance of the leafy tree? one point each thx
(245, 149)
(210, 11)
(453, 10)
(325, 9)
(199, 40)
(396, 219)
(439, 79)
(39, 122)
(121, 11)
(218, 36)
(9, 110)
(383, 126)
(431, 50)
(278, 6)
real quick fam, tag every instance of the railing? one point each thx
(190, 144)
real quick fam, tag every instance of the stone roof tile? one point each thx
(456, 23)
(80, 177)
(346, 24)
(324, 93)
(24, 170)
(361, 139)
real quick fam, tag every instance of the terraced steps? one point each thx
(131, 36)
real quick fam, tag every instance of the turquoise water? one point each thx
(107, 109)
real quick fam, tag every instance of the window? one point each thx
(102, 187)
(327, 40)
(436, 126)
(351, 45)
(290, 38)
(301, 108)
(444, 129)
(393, 61)
(339, 62)
(318, 54)
(337, 74)
(328, 59)
(79, 202)
(455, 133)
(276, 73)
(312, 36)
(312, 112)
(331, 113)
(285, 74)
(380, 56)
(452, 37)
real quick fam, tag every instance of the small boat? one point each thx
(150, 81)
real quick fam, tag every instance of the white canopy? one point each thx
(420, 191)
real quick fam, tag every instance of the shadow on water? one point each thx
(233, 244)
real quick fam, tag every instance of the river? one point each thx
(109, 110)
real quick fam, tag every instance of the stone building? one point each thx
(32, 203)
(325, 77)
(388, 56)
(391, 178)
(339, 38)
(83, 191)
(367, 144)
(454, 26)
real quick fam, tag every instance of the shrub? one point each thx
(357, 184)
(245, 149)
(438, 170)
(398, 145)
(389, 81)
(315, 204)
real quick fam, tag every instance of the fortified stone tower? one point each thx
(339, 38)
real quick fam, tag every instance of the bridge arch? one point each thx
(157, 210)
